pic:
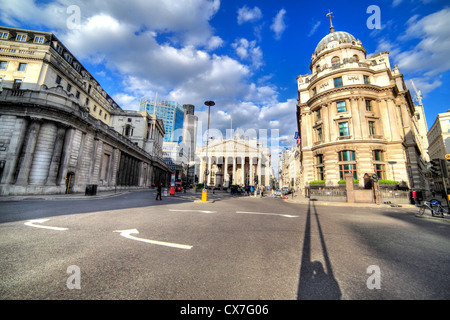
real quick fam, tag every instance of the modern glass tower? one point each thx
(172, 115)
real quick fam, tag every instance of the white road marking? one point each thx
(127, 234)
(31, 223)
(269, 214)
(202, 211)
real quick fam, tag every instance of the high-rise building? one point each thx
(172, 115)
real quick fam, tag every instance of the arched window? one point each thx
(356, 58)
(335, 62)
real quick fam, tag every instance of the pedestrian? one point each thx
(158, 190)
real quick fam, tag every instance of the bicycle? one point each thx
(435, 208)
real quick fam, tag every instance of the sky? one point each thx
(245, 55)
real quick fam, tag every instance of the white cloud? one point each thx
(246, 14)
(278, 26)
(314, 28)
(247, 50)
(427, 58)
(166, 48)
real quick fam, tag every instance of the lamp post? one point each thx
(205, 192)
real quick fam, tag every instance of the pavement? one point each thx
(191, 195)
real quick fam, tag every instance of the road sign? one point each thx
(447, 156)
(374, 177)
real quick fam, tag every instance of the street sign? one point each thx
(447, 156)
(374, 177)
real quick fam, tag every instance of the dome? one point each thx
(340, 36)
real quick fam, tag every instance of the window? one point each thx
(21, 37)
(77, 95)
(58, 79)
(69, 58)
(366, 80)
(69, 87)
(22, 67)
(335, 62)
(378, 155)
(318, 115)
(17, 84)
(380, 171)
(343, 129)
(100, 112)
(320, 174)
(368, 105)
(346, 155)
(4, 35)
(347, 168)
(59, 49)
(319, 134)
(338, 82)
(314, 90)
(356, 58)
(106, 116)
(3, 65)
(371, 128)
(38, 39)
(95, 108)
(87, 102)
(341, 106)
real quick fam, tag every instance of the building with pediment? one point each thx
(238, 161)
(355, 115)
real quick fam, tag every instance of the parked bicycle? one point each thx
(435, 208)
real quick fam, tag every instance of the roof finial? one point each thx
(329, 15)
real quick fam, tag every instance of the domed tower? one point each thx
(355, 115)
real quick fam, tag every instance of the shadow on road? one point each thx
(316, 282)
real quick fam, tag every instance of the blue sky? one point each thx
(244, 55)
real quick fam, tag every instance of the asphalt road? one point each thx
(234, 248)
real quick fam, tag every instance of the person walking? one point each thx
(158, 190)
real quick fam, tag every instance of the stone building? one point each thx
(439, 136)
(355, 115)
(55, 134)
(238, 161)
(147, 132)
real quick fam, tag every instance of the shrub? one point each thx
(355, 181)
(317, 182)
(387, 182)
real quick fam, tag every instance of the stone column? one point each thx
(31, 138)
(259, 171)
(225, 172)
(56, 158)
(243, 169)
(234, 171)
(15, 145)
(252, 178)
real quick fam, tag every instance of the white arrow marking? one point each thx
(202, 211)
(127, 234)
(269, 214)
(31, 223)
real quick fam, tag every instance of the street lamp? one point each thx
(205, 192)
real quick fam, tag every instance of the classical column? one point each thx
(31, 138)
(15, 145)
(252, 178)
(208, 177)
(243, 170)
(259, 171)
(56, 157)
(225, 172)
(234, 171)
